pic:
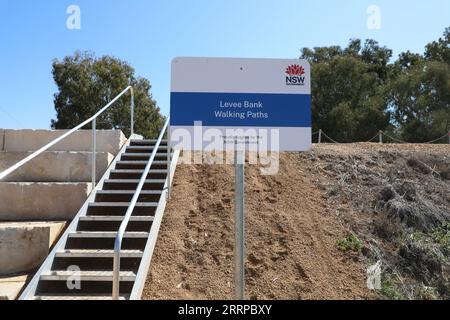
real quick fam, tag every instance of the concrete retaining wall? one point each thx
(23, 201)
(10, 287)
(31, 140)
(24, 246)
(55, 166)
(2, 139)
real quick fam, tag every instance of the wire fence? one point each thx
(380, 137)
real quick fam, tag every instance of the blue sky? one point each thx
(149, 33)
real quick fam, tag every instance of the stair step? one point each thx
(107, 234)
(131, 184)
(115, 218)
(26, 140)
(151, 147)
(123, 204)
(134, 181)
(22, 247)
(145, 150)
(77, 297)
(138, 171)
(142, 154)
(107, 223)
(147, 141)
(86, 275)
(120, 208)
(114, 192)
(141, 162)
(54, 166)
(98, 254)
(127, 195)
(137, 174)
(30, 201)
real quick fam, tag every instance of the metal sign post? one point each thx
(239, 255)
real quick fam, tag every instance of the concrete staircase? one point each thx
(38, 199)
(80, 266)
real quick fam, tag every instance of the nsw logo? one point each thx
(295, 75)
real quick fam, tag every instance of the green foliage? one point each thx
(86, 84)
(357, 91)
(419, 91)
(350, 243)
(347, 101)
(389, 291)
(421, 94)
(441, 235)
(439, 50)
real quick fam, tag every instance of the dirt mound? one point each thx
(396, 199)
(312, 229)
(290, 236)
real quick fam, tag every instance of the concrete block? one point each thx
(2, 139)
(10, 287)
(25, 245)
(31, 140)
(25, 201)
(55, 166)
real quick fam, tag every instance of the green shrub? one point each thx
(390, 292)
(441, 235)
(350, 243)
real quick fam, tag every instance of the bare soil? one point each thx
(380, 194)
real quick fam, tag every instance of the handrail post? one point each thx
(320, 136)
(116, 270)
(94, 149)
(381, 137)
(132, 113)
(169, 158)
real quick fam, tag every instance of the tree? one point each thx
(439, 50)
(356, 91)
(421, 96)
(347, 89)
(86, 84)
(420, 92)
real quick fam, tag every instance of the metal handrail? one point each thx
(123, 226)
(65, 135)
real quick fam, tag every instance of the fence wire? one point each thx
(377, 136)
(402, 141)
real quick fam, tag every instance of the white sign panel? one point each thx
(267, 102)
